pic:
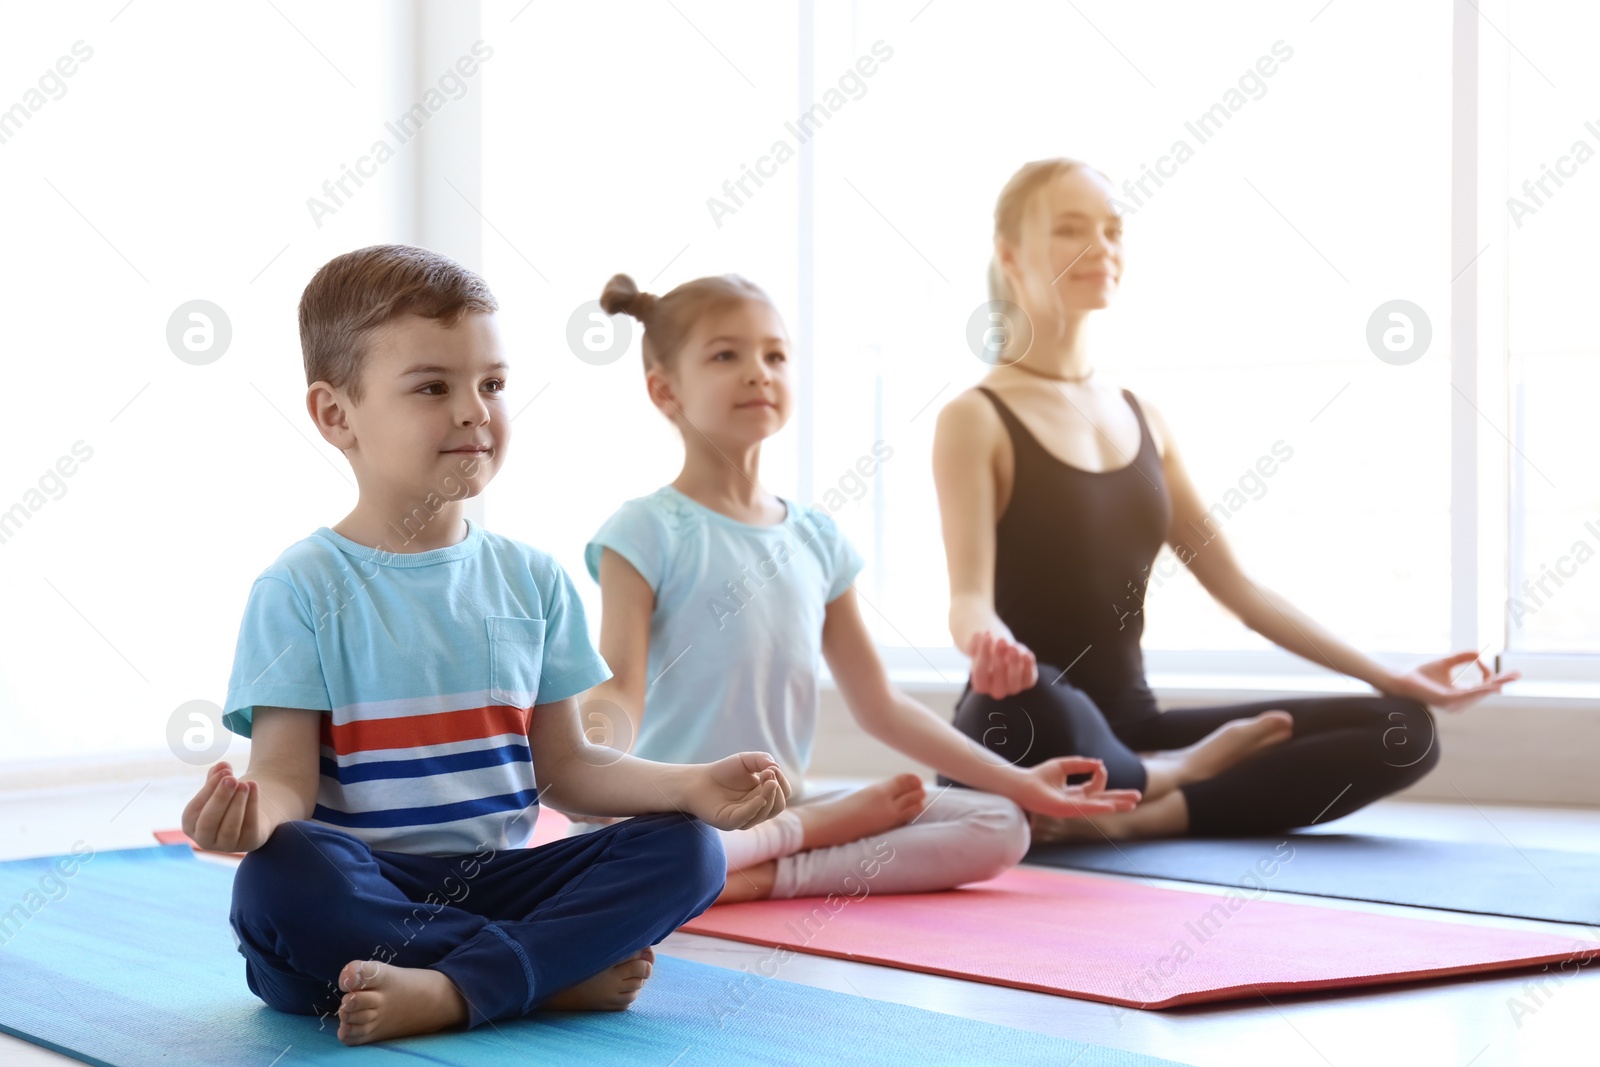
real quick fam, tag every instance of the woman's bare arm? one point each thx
(964, 478)
(966, 445)
(1437, 683)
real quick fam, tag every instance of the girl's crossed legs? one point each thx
(888, 837)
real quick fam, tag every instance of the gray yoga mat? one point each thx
(1525, 883)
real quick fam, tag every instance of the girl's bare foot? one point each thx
(861, 813)
(382, 1001)
(612, 989)
(867, 811)
(1227, 745)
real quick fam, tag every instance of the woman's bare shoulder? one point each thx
(969, 416)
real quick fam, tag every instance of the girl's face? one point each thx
(731, 379)
(1069, 255)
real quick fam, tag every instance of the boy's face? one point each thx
(432, 418)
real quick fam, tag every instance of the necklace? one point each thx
(1053, 377)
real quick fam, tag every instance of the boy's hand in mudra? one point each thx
(738, 791)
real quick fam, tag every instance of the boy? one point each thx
(408, 680)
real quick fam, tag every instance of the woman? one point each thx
(1056, 491)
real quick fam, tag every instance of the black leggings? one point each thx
(1345, 752)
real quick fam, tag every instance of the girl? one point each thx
(1056, 490)
(717, 598)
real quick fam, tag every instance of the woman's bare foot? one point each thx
(870, 810)
(382, 1001)
(612, 989)
(1166, 816)
(1227, 745)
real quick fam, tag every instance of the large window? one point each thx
(1251, 271)
(164, 153)
(1552, 216)
(159, 154)
(603, 142)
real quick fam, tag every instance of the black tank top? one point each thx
(1072, 560)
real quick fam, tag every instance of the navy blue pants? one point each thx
(1345, 752)
(508, 928)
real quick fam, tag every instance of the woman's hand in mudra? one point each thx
(1001, 665)
(1434, 683)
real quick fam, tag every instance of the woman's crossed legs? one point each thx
(1233, 769)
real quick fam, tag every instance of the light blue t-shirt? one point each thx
(425, 666)
(736, 637)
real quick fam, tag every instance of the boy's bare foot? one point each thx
(1227, 745)
(382, 1001)
(870, 810)
(612, 989)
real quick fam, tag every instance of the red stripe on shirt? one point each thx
(414, 731)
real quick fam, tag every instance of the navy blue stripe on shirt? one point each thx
(438, 813)
(427, 766)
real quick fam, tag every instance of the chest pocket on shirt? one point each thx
(516, 654)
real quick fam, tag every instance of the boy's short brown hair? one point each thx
(355, 293)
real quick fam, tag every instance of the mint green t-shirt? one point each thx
(736, 637)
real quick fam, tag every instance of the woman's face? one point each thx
(1069, 255)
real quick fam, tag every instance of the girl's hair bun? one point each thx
(622, 295)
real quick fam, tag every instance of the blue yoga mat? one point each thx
(1528, 883)
(126, 958)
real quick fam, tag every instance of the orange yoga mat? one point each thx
(1125, 943)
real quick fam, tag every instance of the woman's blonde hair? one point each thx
(1016, 201)
(668, 319)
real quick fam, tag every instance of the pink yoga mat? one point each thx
(1125, 943)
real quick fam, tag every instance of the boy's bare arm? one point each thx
(574, 775)
(613, 711)
(231, 814)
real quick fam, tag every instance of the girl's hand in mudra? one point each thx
(1435, 683)
(1001, 665)
(1043, 789)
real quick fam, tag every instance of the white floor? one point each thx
(1447, 1023)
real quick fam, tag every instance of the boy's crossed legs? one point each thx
(564, 925)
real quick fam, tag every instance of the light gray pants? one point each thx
(961, 836)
